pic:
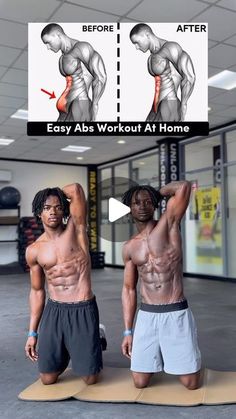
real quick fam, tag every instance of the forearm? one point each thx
(157, 93)
(129, 304)
(75, 193)
(171, 188)
(186, 91)
(98, 89)
(100, 78)
(187, 86)
(37, 302)
(99, 82)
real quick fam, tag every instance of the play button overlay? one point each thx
(114, 219)
(116, 210)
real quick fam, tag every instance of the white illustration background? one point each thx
(44, 71)
(136, 84)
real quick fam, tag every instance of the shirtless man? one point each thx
(172, 68)
(83, 68)
(69, 324)
(165, 334)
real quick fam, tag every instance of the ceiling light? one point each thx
(224, 80)
(20, 114)
(79, 158)
(142, 163)
(75, 148)
(6, 141)
(209, 109)
(121, 141)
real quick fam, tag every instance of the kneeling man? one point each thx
(165, 335)
(69, 323)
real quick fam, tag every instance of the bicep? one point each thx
(177, 204)
(97, 66)
(185, 67)
(92, 61)
(78, 208)
(37, 276)
(130, 275)
(82, 238)
(180, 60)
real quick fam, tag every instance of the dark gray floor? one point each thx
(214, 307)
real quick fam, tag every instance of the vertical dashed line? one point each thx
(118, 71)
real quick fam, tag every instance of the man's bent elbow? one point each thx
(72, 190)
(73, 186)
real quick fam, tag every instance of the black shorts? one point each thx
(70, 331)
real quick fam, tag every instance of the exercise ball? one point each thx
(9, 196)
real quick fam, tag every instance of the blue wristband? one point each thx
(33, 334)
(128, 332)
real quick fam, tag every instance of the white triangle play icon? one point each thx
(116, 210)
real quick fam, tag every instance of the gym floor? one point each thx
(214, 307)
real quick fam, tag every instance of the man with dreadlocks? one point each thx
(69, 323)
(165, 336)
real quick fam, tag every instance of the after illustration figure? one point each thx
(165, 335)
(84, 71)
(173, 71)
(68, 326)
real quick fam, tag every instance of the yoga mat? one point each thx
(116, 385)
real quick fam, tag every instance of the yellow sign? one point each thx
(208, 201)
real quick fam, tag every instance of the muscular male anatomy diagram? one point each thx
(172, 69)
(84, 71)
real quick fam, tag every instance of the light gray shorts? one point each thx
(165, 340)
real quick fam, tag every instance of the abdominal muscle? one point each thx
(69, 281)
(75, 89)
(161, 283)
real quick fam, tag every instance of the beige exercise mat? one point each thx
(166, 389)
(221, 387)
(116, 385)
(66, 387)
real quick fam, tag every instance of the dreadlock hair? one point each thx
(154, 194)
(41, 197)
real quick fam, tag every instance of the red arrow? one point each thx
(52, 95)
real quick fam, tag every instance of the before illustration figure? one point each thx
(173, 71)
(84, 71)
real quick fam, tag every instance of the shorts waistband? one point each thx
(164, 308)
(72, 303)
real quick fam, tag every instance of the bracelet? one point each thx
(128, 332)
(32, 333)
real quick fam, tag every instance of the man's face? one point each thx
(141, 41)
(52, 213)
(142, 208)
(52, 41)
